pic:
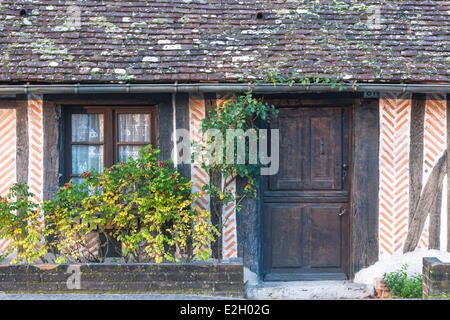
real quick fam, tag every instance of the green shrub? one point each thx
(145, 204)
(21, 222)
(403, 286)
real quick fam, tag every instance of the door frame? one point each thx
(350, 101)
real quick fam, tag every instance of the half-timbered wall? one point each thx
(412, 129)
(411, 139)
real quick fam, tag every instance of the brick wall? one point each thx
(436, 278)
(196, 278)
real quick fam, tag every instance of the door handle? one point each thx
(341, 212)
(344, 171)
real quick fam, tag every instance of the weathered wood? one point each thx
(434, 229)
(52, 115)
(165, 128)
(315, 141)
(249, 226)
(182, 122)
(215, 180)
(114, 99)
(365, 185)
(427, 201)
(311, 99)
(416, 151)
(448, 170)
(22, 150)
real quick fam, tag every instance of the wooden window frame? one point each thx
(110, 131)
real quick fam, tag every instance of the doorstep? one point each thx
(308, 290)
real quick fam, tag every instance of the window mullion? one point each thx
(109, 138)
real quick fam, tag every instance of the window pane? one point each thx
(128, 151)
(134, 128)
(87, 127)
(86, 158)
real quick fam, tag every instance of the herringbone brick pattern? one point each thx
(8, 142)
(229, 223)
(434, 143)
(199, 176)
(36, 146)
(395, 119)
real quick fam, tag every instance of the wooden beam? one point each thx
(114, 99)
(365, 185)
(426, 203)
(165, 128)
(416, 151)
(52, 116)
(434, 229)
(22, 152)
(448, 170)
(182, 122)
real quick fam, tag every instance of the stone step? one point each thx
(308, 290)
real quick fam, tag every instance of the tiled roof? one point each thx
(227, 41)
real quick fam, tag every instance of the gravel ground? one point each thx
(7, 296)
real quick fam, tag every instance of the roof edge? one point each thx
(221, 88)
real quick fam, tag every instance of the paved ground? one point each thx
(4, 296)
(264, 290)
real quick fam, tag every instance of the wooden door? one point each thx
(306, 205)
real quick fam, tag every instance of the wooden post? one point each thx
(448, 170)
(365, 184)
(22, 139)
(426, 203)
(435, 222)
(416, 151)
(182, 122)
(52, 115)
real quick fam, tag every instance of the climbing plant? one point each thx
(244, 112)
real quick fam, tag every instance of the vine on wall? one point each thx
(244, 112)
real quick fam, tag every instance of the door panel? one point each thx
(310, 150)
(286, 222)
(306, 220)
(324, 237)
(326, 149)
(292, 171)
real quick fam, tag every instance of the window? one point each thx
(98, 137)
